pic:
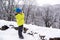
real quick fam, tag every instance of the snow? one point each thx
(12, 34)
(48, 32)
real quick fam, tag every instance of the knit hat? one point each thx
(18, 10)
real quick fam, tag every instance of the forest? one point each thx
(45, 16)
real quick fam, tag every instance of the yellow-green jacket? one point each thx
(19, 18)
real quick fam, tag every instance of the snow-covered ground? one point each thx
(12, 34)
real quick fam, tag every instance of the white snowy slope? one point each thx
(12, 34)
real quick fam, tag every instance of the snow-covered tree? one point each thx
(49, 16)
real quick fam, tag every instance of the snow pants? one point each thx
(20, 29)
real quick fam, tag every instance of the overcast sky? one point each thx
(52, 2)
(42, 2)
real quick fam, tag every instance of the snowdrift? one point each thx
(11, 34)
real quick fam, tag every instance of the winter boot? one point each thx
(21, 37)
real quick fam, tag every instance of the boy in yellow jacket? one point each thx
(20, 21)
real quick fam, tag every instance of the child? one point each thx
(20, 21)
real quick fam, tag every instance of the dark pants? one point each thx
(20, 29)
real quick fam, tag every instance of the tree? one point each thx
(27, 8)
(49, 17)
